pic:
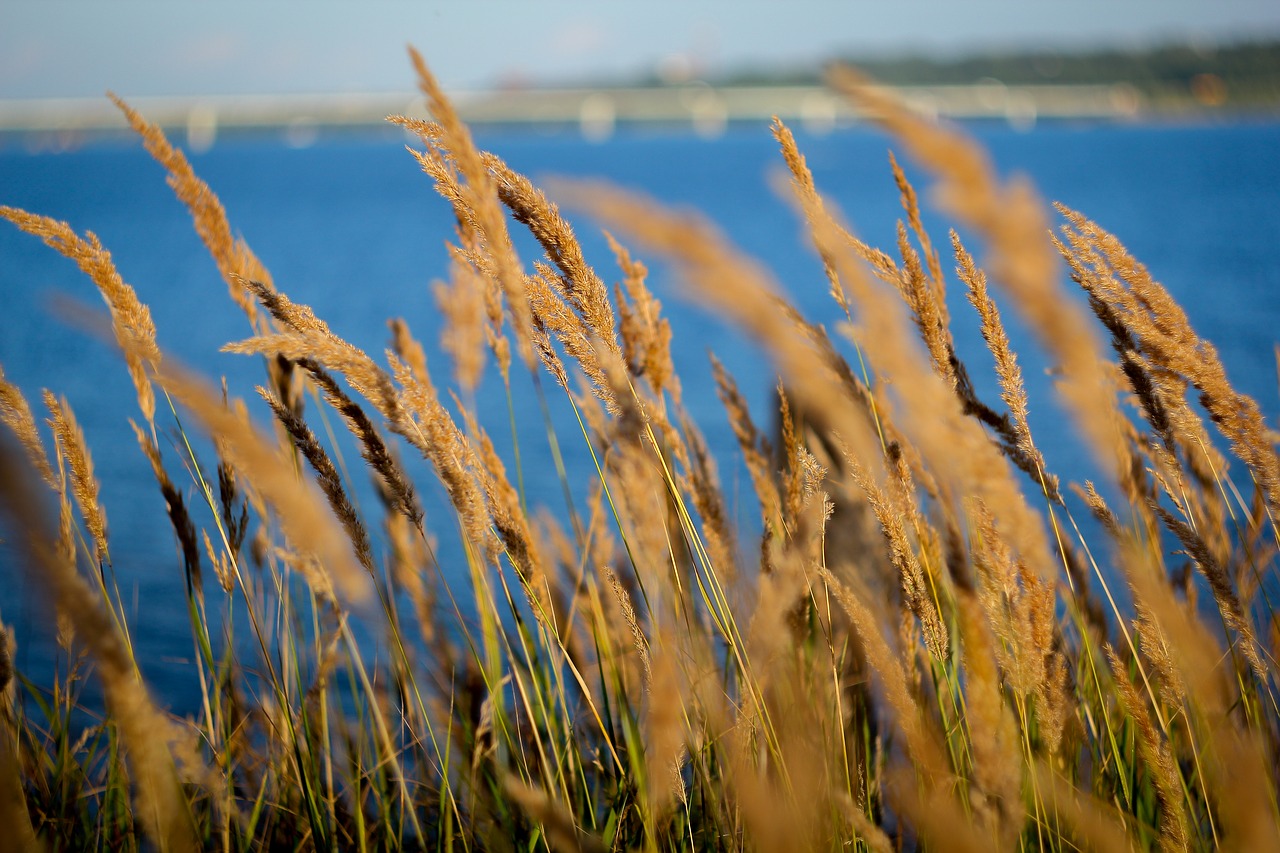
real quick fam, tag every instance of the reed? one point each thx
(916, 647)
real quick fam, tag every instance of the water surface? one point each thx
(351, 227)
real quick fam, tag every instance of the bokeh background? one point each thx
(141, 47)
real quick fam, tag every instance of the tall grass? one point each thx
(921, 650)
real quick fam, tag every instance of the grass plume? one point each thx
(915, 645)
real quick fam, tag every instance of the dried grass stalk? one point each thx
(911, 205)
(1015, 429)
(583, 288)
(638, 639)
(522, 547)
(1020, 608)
(363, 374)
(646, 335)
(471, 256)
(1093, 822)
(802, 184)
(1155, 753)
(480, 195)
(739, 288)
(755, 447)
(1013, 222)
(14, 815)
(918, 590)
(933, 811)
(954, 448)
(563, 833)
(1233, 767)
(1243, 780)
(161, 805)
(920, 742)
(664, 728)
(425, 423)
(410, 561)
(236, 261)
(326, 552)
(1224, 591)
(700, 482)
(396, 486)
(928, 312)
(793, 457)
(1162, 333)
(72, 447)
(326, 476)
(647, 520)
(177, 510)
(461, 302)
(130, 319)
(16, 414)
(994, 734)
(867, 832)
(1155, 648)
(552, 313)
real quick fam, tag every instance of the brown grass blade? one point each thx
(461, 302)
(481, 196)
(14, 814)
(1012, 220)
(130, 319)
(16, 414)
(562, 832)
(1155, 752)
(1164, 335)
(646, 335)
(921, 744)
(398, 487)
(585, 291)
(954, 448)
(84, 485)
(236, 261)
(739, 288)
(302, 513)
(176, 507)
(327, 477)
(160, 802)
(1094, 823)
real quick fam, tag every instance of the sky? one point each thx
(79, 48)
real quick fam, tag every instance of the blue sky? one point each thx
(56, 48)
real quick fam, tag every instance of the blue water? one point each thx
(351, 227)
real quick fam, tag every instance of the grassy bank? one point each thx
(921, 650)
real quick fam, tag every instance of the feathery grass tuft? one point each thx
(920, 645)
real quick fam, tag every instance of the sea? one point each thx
(348, 224)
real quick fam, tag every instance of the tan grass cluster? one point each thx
(920, 649)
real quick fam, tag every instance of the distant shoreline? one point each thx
(1176, 81)
(596, 112)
